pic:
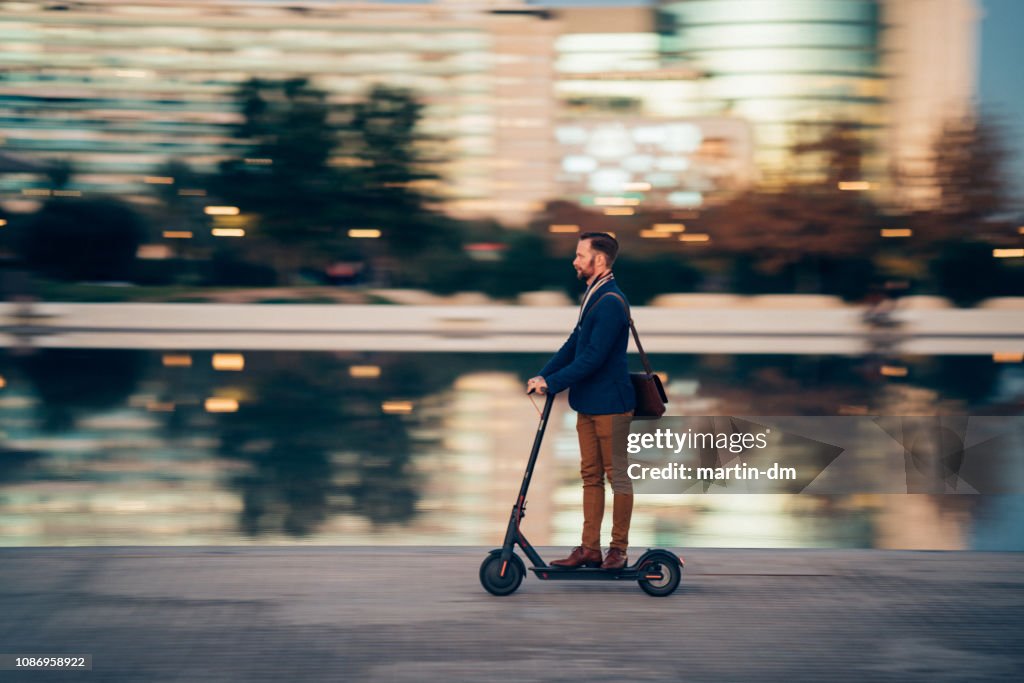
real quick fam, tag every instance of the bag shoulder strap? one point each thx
(636, 336)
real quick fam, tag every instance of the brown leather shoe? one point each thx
(615, 559)
(580, 557)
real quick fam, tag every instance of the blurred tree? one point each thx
(968, 378)
(799, 230)
(60, 173)
(284, 176)
(181, 209)
(180, 206)
(382, 134)
(14, 462)
(828, 155)
(392, 174)
(969, 158)
(810, 235)
(74, 382)
(644, 279)
(965, 272)
(318, 443)
(524, 266)
(745, 384)
(83, 239)
(646, 267)
(312, 170)
(956, 236)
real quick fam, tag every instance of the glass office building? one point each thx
(787, 66)
(626, 125)
(117, 89)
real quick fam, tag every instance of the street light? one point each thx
(221, 211)
(364, 233)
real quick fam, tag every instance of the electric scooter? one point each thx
(658, 571)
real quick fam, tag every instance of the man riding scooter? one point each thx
(592, 365)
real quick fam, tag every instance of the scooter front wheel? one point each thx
(492, 579)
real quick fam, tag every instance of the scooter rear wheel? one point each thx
(667, 584)
(491, 578)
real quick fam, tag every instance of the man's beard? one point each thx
(585, 273)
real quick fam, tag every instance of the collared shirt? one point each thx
(590, 290)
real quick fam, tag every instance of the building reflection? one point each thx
(472, 478)
(364, 449)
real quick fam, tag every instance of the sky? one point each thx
(1001, 81)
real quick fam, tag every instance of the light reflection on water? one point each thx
(118, 447)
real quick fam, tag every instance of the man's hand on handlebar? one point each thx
(536, 384)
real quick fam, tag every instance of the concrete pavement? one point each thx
(419, 614)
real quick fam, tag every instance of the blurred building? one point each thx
(630, 125)
(668, 102)
(790, 67)
(931, 49)
(470, 481)
(677, 162)
(888, 72)
(116, 89)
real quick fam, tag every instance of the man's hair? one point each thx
(604, 243)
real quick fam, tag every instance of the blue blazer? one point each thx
(592, 362)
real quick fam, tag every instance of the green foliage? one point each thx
(71, 383)
(851, 278)
(644, 279)
(83, 240)
(848, 278)
(156, 273)
(810, 236)
(178, 209)
(317, 169)
(838, 147)
(381, 134)
(299, 472)
(288, 181)
(525, 267)
(60, 173)
(441, 271)
(777, 230)
(969, 169)
(226, 270)
(967, 378)
(966, 273)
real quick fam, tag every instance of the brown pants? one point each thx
(601, 436)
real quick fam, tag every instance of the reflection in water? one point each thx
(71, 382)
(317, 445)
(118, 447)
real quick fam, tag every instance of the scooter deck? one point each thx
(631, 573)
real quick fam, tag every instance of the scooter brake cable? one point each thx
(534, 402)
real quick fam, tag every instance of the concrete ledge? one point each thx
(923, 303)
(544, 299)
(743, 327)
(1007, 303)
(697, 300)
(796, 301)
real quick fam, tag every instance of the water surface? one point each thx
(115, 447)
